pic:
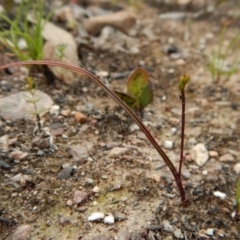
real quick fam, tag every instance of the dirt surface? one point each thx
(135, 185)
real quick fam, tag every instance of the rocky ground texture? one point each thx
(92, 174)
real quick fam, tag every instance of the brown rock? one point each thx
(78, 153)
(66, 112)
(18, 155)
(82, 209)
(155, 177)
(56, 36)
(213, 154)
(41, 143)
(122, 20)
(174, 121)
(80, 197)
(80, 117)
(118, 151)
(226, 158)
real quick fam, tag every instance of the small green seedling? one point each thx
(31, 88)
(133, 90)
(238, 196)
(59, 49)
(218, 60)
(139, 90)
(21, 29)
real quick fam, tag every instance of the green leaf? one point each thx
(147, 96)
(238, 193)
(139, 87)
(130, 101)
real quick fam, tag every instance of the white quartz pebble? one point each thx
(168, 144)
(54, 110)
(109, 219)
(96, 189)
(220, 194)
(199, 154)
(96, 216)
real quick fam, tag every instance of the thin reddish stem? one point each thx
(182, 133)
(121, 103)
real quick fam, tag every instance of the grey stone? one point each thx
(65, 173)
(167, 226)
(78, 153)
(16, 106)
(23, 232)
(4, 165)
(124, 235)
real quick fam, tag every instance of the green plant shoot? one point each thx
(182, 82)
(139, 90)
(218, 66)
(20, 28)
(33, 99)
(60, 50)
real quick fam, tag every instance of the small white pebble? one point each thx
(96, 189)
(164, 98)
(199, 154)
(22, 44)
(180, 62)
(64, 136)
(168, 144)
(109, 219)
(84, 89)
(174, 130)
(205, 172)
(54, 110)
(220, 194)
(236, 168)
(69, 202)
(1, 9)
(94, 203)
(210, 231)
(14, 194)
(102, 74)
(233, 214)
(133, 127)
(34, 208)
(90, 159)
(96, 216)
